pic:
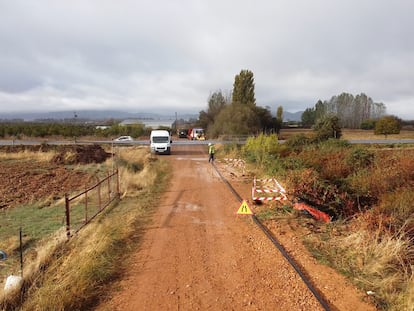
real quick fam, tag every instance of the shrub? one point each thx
(368, 124)
(232, 148)
(327, 127)
(333, 144)
(298, 142)
(388, 125)
(259, 149)
(360, 158)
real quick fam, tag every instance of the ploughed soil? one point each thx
(27, 181)
(198, 254)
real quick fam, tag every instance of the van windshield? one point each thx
(160, 139)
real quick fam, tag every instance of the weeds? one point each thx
(371, 190)
(274, 213)
(259, 149)
(374, 263)
(26, 154)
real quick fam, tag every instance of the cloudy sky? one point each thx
(170, 55)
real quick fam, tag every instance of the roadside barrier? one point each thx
(268, 190)
(271, 190)
(235, 162)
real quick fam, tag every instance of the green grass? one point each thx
(37, 221)
(32, 219)
(274, 213)
(93, 258)
(36, 224)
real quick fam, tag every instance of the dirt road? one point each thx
(198, 255)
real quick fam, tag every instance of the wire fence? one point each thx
(83, 207)
(25, 230)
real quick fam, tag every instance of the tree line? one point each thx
(351, 110)
(18, 130)
(354, 112)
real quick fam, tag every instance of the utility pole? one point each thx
(176, 127)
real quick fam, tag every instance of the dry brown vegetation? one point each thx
(368, 190)
(350, 134)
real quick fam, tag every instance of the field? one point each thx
(26, 179)
(351, 134)
(33, 183)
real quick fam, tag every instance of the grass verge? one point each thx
(376, 263)
(76, 274)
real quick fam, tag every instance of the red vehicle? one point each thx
(196, 134)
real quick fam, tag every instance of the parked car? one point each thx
(123, 139)
(182, 133)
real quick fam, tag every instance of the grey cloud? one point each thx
(129, 54)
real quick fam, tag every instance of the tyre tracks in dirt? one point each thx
(198, 255)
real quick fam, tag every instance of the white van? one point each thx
(160, 141)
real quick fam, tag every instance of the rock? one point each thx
(13, 283)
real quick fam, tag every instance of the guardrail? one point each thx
(234, 138)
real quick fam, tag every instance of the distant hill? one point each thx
(98, 115)
(292, 116)
(91, 115)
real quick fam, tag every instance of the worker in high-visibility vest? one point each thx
(211, 151)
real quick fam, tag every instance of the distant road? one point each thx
(177, 142)
(99, 142)
(382, 141)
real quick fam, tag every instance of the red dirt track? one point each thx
(198, 255)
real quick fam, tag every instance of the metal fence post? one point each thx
(86, 206)
(109, 186)
(99, 196)
(21, 252)
(117, 183)
(67, 207)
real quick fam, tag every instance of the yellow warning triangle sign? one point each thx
(244, 209)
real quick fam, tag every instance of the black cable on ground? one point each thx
(282, 250)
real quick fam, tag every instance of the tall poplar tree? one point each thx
(279, 119)
(243, 88)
